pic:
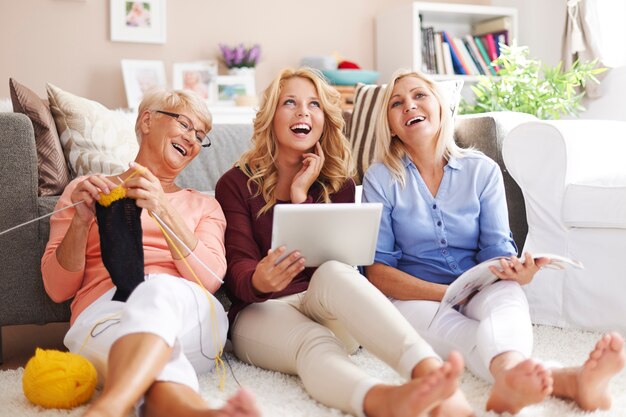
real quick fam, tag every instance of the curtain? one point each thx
(578, 41)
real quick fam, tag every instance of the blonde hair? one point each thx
(390, 150)
(258, 163)
(174, 101)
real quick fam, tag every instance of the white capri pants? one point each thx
(496, 320)
(170, 307)
(311, 333)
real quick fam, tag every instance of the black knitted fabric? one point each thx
(121, 245)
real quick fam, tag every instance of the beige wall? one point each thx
(66, 42)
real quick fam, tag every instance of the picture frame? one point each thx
(199, 77)
(229, 87)
(138, 21)
(140, 76)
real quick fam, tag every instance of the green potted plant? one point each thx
(526, 85)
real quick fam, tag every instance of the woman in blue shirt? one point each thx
(444, 212)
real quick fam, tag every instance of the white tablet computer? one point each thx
(345, 232)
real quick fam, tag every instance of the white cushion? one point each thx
(589, 205)
(94, 139)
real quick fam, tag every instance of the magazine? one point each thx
(480, 276)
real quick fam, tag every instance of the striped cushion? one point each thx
(53, 172)
(367, 100)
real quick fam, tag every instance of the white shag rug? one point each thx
(281, 395)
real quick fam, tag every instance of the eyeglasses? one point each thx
(187, 126)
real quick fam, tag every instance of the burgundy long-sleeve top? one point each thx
(248, 237)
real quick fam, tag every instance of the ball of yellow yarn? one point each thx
(115, 194)
(54, 379)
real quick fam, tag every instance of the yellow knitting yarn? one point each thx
(54, 379)
(117, 193)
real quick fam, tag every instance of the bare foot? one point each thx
(454, 406)
(241, 404)
(526, 383)
(418, 396)
(100, 410)
(606, 360)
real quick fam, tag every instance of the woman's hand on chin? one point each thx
(312, 164)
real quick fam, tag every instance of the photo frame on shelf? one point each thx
(138, 21)
(140, 76)
(229, 87)
(199, 77)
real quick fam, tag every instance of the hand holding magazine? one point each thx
(480, 276)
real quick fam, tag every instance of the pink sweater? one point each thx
(201, 213)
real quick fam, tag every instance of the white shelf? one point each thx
(399, 38)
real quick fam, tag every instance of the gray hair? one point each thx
(174, 101)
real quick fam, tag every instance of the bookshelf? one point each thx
(399, 35)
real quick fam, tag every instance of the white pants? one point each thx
(310, 334)
(172, 308)
(496, 320)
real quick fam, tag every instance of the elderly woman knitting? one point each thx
(148, 336)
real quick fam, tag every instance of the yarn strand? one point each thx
(219, 363)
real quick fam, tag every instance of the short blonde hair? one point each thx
(390, 150)
(174, 101)
(259, 162)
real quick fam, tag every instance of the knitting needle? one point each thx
(41, 217)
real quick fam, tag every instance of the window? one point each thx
(606, 20)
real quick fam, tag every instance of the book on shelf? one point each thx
(475, 55)
(424, 51)
(431, 50)
(429, 65)
(439, 53)
(499, 24)
(460, 46)
(483, 53)
(447, 58)
(457, 63)
(490, 44)
(480, 276)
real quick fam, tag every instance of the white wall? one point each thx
(67, 42)
(610, 106)
(541, 25)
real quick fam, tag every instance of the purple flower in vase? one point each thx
(227, 54)
(240, 56)
(253, 55)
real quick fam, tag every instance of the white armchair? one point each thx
(573, 177)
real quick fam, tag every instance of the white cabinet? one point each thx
(399, 37)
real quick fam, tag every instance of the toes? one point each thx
(456, 361)
(616, 341)
(596, 353)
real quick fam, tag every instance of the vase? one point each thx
(245, 71)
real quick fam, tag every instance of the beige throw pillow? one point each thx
(94, 138)
(367, 100)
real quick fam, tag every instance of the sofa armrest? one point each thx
(549, 160)
(574, 183)
(486, 132)
(22, 297)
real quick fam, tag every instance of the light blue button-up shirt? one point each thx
(438, 238)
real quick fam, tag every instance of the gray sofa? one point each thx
(22, 296)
